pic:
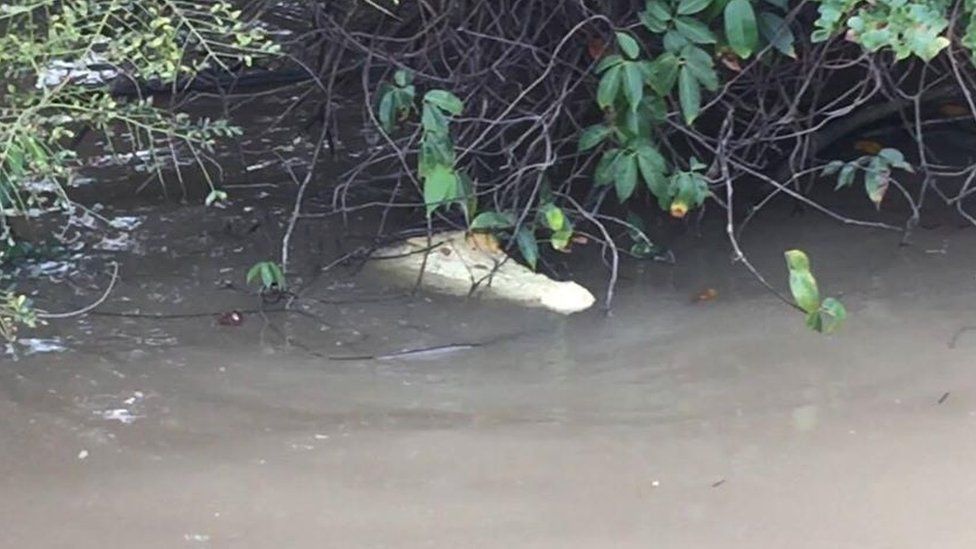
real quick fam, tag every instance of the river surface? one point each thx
(671, 423)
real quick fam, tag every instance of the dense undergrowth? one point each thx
(542, 121)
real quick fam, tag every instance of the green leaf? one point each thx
(876, 180)
(277, 276)
(435, 150)
(654, 179)
(694, 30)
(606, 92)
(216, 195)
(387, 111)
(674, 41)
(689, 95)
(652, 23)
(492, 220)
(701, 66)
(625, 176)
(647, 153)
(832, 314)
(268, 273)
(633, 80)
(528, 246)
(832, 167)
(658, 9)
(797, 260)
(895, 159)
(740, 27)
(820, 35)
(636, 123)
(445, 101)
(560, 239)
(846, 176)
(663, 73)
(253, 273)
(775, 30)
(402, 78)
(593, 136)
(607, 62)
(440, 187)
(654, 109)
(815, 321)
(606, 167)
(689, 188)
(433, 120)
(688, 7)
(628, 45)
(466, 196)
(555, 218)
(803, 285)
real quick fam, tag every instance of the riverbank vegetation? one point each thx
(545, 122)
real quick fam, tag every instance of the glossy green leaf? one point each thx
(655, 180)
(803, 285)
(674, 41)
(663, 73)
(440, 187)
(625, 176)
(846, 175)
(555, 218)
(606, 167)
(628, 45)
(268, 273)
(694, 30)
(607, 62)
(492, 220)
(560, 239)
(609, 87)
(593, 136)
(740, 27)
(689, 95)
(832, 314)
(658, 9)
(215, 196)
(648, 153)
(387, 111)
(445, 101)
(775, 30)
(876, 181)
(701, 66)
(689, 7)
(633, 82)
(402, 78)
(652, 23)
(689, 188)
(895, 159)
(433, 120)
(528, 246)
(832, 167)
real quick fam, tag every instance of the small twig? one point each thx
(730, 224)
(91, 306)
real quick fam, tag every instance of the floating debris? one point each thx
(122, 415)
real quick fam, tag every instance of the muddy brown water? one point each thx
(670, 423)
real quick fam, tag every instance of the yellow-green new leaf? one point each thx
(803, 285)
